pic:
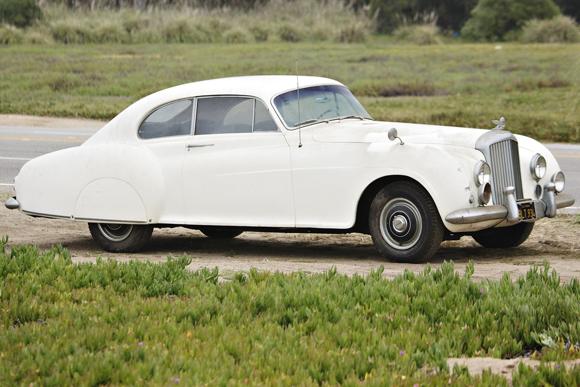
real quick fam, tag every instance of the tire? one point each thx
(404, 223)
(504, 237)
(217, 232)
(120, 238)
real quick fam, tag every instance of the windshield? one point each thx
(318, 103)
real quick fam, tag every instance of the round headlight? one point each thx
(482, 173)
(538, 166)
(559, 181)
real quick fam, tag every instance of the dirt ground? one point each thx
(556, 241)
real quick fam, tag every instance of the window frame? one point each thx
(195, 100)
(152, 111)
(241, 96)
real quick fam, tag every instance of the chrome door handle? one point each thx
(190, 146)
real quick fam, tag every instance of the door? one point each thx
(236, 169)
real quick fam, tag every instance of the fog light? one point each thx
(559, 181)
(538, 191)
(484, 193)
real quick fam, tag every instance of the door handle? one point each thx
(191, 146)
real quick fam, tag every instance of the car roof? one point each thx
(262, 86)
(124, 126)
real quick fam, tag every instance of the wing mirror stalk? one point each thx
(393, 135)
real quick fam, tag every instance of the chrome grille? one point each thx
(505, 169)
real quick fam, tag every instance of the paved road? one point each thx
(20, 142)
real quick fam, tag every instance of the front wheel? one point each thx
(404, 223)
(120, 238)
(504, 237)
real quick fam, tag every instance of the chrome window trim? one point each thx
(197, 98)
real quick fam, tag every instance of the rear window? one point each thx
(172, 119)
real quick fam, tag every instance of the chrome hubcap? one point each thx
(116, 232)
(401, 224)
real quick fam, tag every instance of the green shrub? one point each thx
(353, 33)
(69, 32)
(289, 33)
(561, 29)
(110, 33)
(183, 31)
(419, 34)
(10, 35)
(236, 36)
(20, 13)
(494, 19)
(259, 33)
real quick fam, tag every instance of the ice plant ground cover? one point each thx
(535, 86)
(141, 322)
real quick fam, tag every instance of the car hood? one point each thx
(354, 131)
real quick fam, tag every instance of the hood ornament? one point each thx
(499, 124)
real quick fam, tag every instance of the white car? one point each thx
(292, 154)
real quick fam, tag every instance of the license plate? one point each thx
(527, 210)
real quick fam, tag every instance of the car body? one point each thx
(288, 153)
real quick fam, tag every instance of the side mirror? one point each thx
(393, 135)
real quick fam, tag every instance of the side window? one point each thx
(224, 115)
(262, 120)
(172, 119)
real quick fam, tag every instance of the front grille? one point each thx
(505, 169)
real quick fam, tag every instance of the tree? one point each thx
(19, 13)
(493, 19)
(570, 8)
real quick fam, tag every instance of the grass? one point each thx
(137, 323)
(535, 86)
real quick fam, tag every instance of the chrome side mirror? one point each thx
(393, 135)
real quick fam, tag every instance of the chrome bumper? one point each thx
(12, 204)
(546, 207)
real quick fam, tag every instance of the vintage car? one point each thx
(292, 154)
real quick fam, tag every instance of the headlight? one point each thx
(559, 181)
(538, 166)
(482, 173)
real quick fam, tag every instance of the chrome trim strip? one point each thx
(12, 204)
(564, 200)
(41, 215)
(477, 214)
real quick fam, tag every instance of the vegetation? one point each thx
(275, 21)
(19, 13)
(136, 323)
(561, 29)
(534, 87)
(494, 19)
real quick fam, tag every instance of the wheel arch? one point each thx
(366, 197)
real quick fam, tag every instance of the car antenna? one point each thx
(298, 96)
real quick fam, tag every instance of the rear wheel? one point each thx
(120, 238)
(217, 232)
(504, 237)
(404, 223)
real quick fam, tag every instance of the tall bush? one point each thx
(493, 19)
(561, 29)
(20, 13)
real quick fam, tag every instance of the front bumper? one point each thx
(547, 206)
